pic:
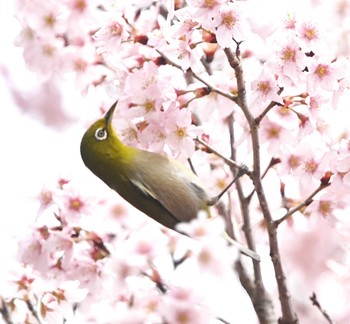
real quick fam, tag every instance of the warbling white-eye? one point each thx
(161, 187)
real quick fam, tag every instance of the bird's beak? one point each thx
(109, 114)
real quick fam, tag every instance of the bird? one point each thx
(159, 186)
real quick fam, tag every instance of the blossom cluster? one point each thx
(128, 274)
(169, 64)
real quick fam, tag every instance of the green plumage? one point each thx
(160, 187)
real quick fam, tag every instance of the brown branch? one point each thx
(267, 109)
(260, 298)
(288, 314)
(206, 65)
(245, 210)
(316, 303)
(303, 204)
(236, 65)
(273, 162)
(32, 310)
(5, 312)
(265, 309)
(243, 274)
(196, 76)
(228, 161)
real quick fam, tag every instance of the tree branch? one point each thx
(261, 300)
(305, 203)
(5, 312)
(196, 76)
(288, 314)
(228, 161)
(244, 205)
(32, 310)
(267, 109)
(316, 303)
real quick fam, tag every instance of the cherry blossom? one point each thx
(205, 11)
(180, 131)
(113, 34)
(204, 106)
(213, 82)
(325, 75)
(289, 64)
(230, 25)
(310, 38)
(175, 308)
(265, 90)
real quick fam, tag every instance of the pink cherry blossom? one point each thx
(316, 103)
(113, 34)
(289, 64)
(180, 131)
(175, 307)
(290, 21)
(43, 56)
(186, 25)
(325, 206)
(205, 106)
(326, 75)
(205, 11)
(265, 90)
(59, 301)
(187, 53)
(274, 134)
(203, 227)
(310, 37)
(344, 86)
(220, 82)
(230, 24)
(45, 18)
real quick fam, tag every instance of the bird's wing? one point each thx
(160, 213)
(171, 184)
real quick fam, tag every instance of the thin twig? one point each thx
(316, 303)
(5, 312)
(206, 65)
(303, 204)
(243, 249)
(33, 310)
(273, 162)
(222, 320)
(227, 160)
(246, 217)
(241, 171)
(191, 166)
(268, 108)
(196, 76)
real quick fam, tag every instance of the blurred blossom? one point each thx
(182, 306)
(87, 257)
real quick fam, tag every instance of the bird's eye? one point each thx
(101, 134)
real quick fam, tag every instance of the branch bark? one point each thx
(316, 303)
(5, 312)
(288, 314)
(303, 204)
(260, 298)
(261, 301)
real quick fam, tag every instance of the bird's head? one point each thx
(99, 139)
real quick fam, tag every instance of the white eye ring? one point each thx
(100, 134)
